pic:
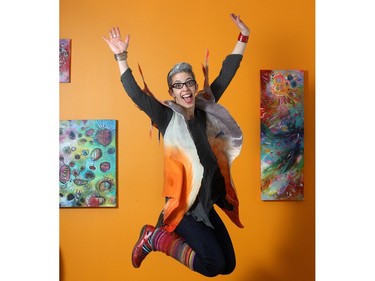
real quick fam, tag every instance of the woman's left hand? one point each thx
(240, 24)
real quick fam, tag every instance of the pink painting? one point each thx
(282, 134)
(64, 64)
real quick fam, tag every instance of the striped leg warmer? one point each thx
(172, 245)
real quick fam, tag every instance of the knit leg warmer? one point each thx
(172, 245)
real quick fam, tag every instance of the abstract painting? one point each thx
(282, 134)
(64, 65)
(87, 163)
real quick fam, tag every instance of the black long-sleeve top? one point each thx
(212, 187)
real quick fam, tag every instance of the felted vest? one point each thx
(183, 171)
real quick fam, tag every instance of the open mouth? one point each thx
(188, 98)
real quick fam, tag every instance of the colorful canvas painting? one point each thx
(282, 134)
(65, 56)
(87, 175)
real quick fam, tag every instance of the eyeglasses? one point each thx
(180, 85)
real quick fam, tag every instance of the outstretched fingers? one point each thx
(114, 32)
(115, 43)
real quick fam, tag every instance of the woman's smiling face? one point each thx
(185, 96)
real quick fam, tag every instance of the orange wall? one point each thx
(278, 241)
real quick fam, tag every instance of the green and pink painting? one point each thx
(282, 134)
(87, 170)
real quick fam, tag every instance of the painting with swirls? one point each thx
(282, 134)
(64, 62)
(87, 163)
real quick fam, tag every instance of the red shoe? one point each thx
(142, 248)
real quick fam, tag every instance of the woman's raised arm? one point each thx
(241, 42)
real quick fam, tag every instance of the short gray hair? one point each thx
(178, 68)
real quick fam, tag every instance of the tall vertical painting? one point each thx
(282, 134)
(65, 57)
(87, 170)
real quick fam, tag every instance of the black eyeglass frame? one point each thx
(186, 83)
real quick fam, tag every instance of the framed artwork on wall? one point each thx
(87, 163)
(282, 134)
(65, 58)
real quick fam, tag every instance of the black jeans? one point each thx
(213, 247)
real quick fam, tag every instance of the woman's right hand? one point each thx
(115, 43)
